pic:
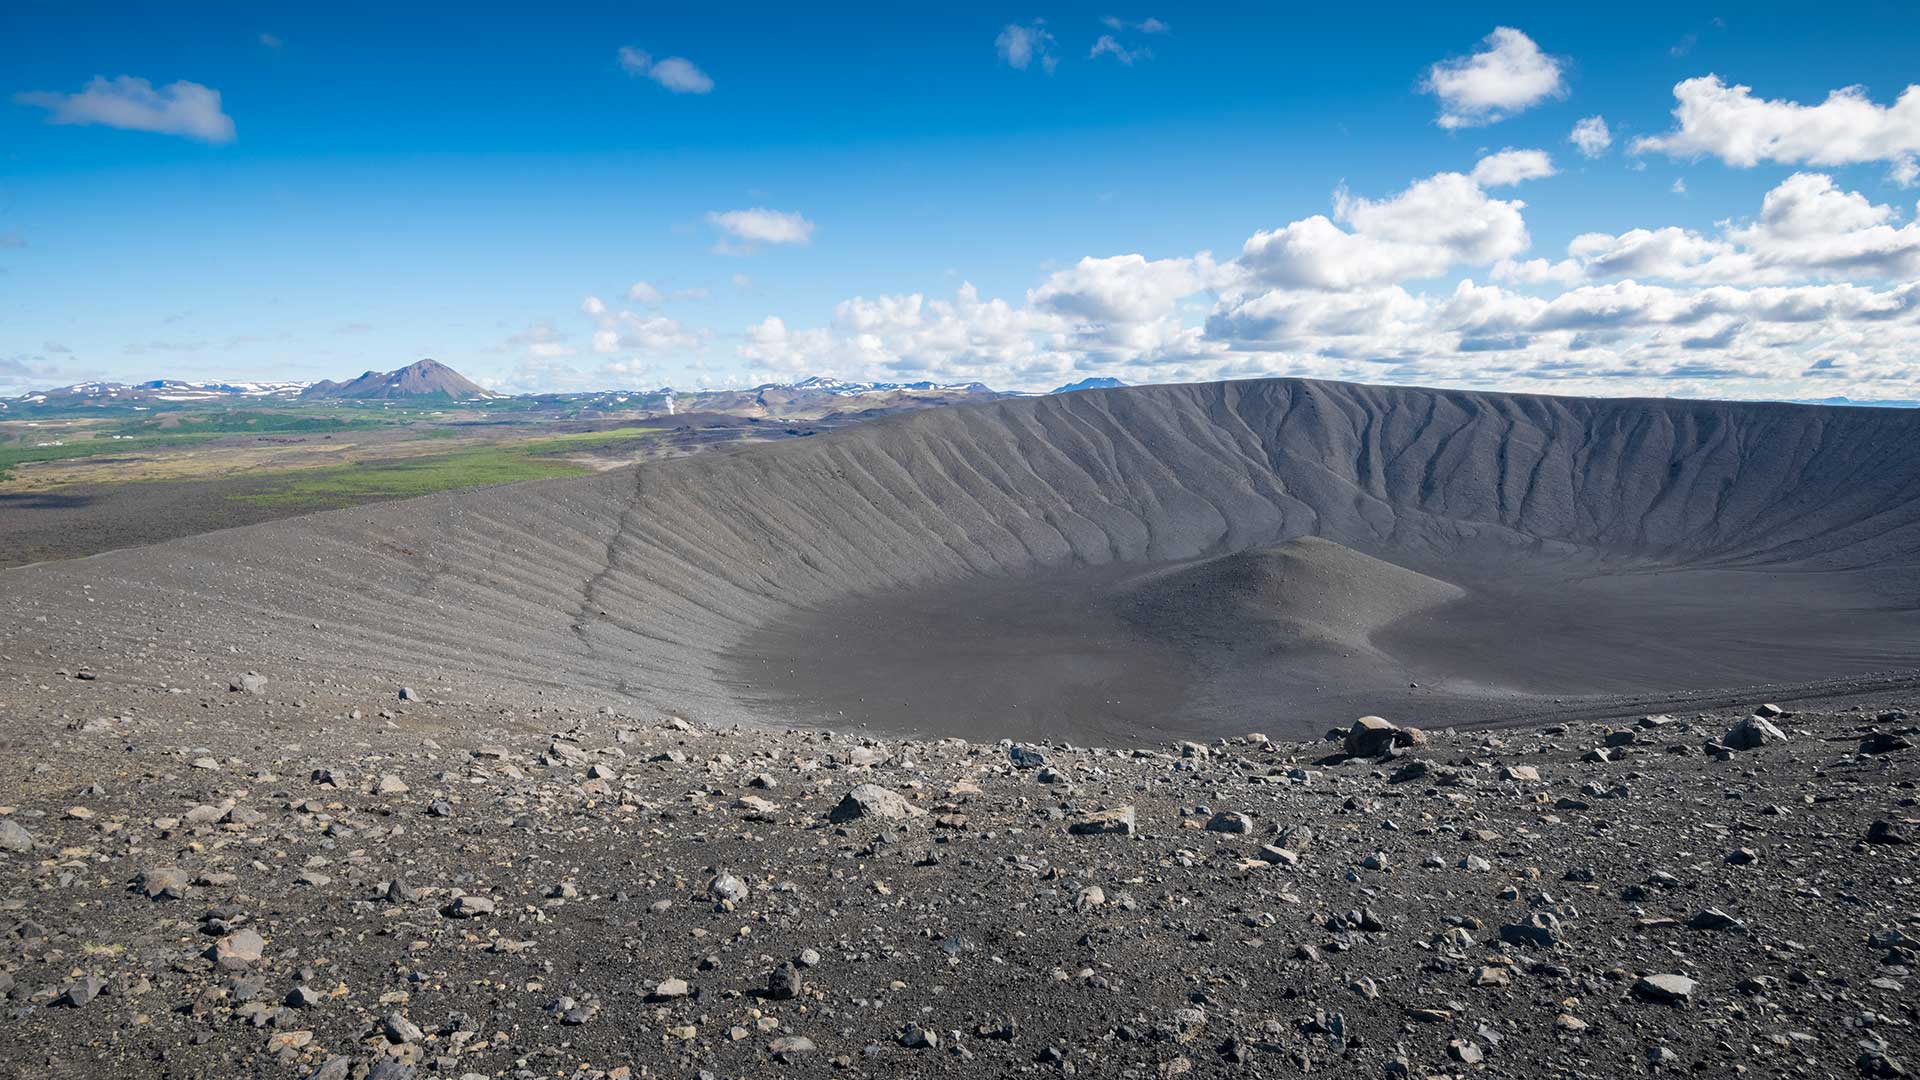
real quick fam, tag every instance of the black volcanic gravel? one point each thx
(345, 886)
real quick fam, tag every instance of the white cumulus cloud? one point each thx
(1591, 137)
(762, 226)
(1108, 45)
(676, 73)
(1730, 123)
(132, 104)
(1019, 46)
(1808, 229)
(1422, 232)
(1816, 294)
(630, 332)
(1123, 288)
(1147, 25)
(1510, 166)
(1508, 75)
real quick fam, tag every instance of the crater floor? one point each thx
(1123, 654)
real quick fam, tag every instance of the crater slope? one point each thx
(1043, 551)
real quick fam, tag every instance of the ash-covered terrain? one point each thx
(292, 881)
(1646, 800)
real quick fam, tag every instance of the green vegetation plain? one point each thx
(347, 485)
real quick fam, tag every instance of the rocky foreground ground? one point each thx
(258, 880)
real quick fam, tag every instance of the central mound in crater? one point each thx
(1286, 602)
(1112, 565)
(1118, 651)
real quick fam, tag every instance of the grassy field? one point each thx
(126, 477)
(582, 441)
(250, 422)
(171, 431)
(377, 456)
(14, 455)
(347, 485)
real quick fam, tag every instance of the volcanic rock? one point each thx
(14, 838)
(1668, 989)
(1117, 821)
(1753, 733)
(873, 801)
(1370, 736)
(238, 951)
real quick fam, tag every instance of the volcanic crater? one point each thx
(1105, 566)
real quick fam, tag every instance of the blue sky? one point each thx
(608, 196)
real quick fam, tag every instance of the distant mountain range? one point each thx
(1099, 382)
(857, 389)
(432, 379)
(428, 382)
(1880, 403)
(420, 381)
(423, 378)
(170, 391)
